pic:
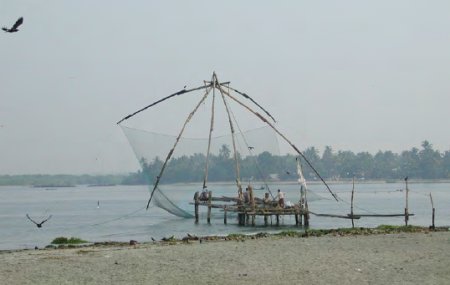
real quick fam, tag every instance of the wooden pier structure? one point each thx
(248, 209)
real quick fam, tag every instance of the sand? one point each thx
(405, 258)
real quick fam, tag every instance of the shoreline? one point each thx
(390, 257)
(306, 233)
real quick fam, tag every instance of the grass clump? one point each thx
(235, 236)
(289, 234)
(64, 240)
(396, 229)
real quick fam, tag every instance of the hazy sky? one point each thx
(355, 75)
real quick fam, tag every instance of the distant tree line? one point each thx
(61, 180)
(424, 163)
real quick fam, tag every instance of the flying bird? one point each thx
(39, 225)
(14, 29)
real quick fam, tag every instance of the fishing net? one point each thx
(153, 136)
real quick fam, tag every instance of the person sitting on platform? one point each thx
(267, 199)
(246, 196)
(204, 195)
(280, 197)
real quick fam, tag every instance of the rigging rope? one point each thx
(283, 136)
(248, 97)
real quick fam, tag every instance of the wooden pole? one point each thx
(432, 212)
(406, 206)
(351, 207)
(233, 139)
(209, 207)
(211, 128)
(225, 215)
(306, 217)
(196, 199)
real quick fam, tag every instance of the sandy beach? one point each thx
(401, 258)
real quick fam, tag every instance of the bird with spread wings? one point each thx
(39, 225)
(14, 28)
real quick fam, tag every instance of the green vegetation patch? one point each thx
(235, 236)
(289, 234)
(64, 240)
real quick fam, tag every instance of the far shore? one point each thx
(254, 183)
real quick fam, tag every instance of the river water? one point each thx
(117, 213)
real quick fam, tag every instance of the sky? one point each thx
(353, 75)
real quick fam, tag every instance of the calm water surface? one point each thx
(121, 213)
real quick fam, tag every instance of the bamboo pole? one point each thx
(196, 199)
(175, 144)
(432, 212)
(238, 175)
(249, 98)
(163, 99)
(225, 215)
(306, 216)
(211, 128)
(406, 204)
(351, 207)
(251, 197)
(209, 207)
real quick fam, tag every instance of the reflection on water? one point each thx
(118, 212)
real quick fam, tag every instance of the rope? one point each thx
(252, 155)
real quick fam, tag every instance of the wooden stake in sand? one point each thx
(432, 213)
(406, 207)
(351, 207)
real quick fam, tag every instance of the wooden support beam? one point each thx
(351, 207)
(225, 215)
(432, 212)
(196, 199)
(208, 219)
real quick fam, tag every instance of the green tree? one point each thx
(430, 161)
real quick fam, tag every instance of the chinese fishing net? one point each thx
(153, 134)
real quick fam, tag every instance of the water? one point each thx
(121, 215)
